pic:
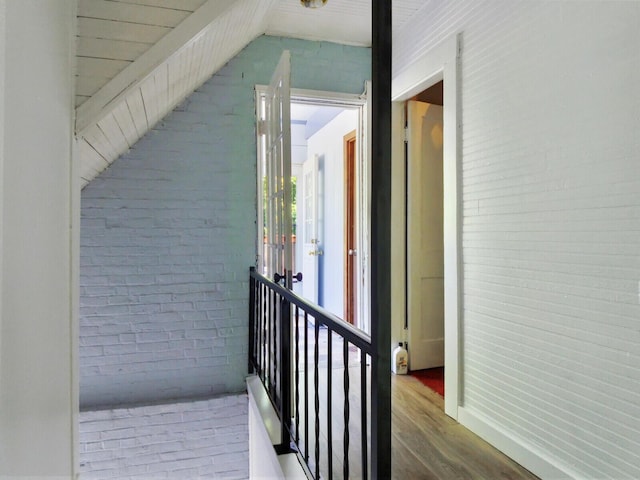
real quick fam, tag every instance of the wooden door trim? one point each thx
(350, 222)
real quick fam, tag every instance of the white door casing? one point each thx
(425, 248)
(441, 63)
(363, 212)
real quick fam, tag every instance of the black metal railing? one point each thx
(294, 347)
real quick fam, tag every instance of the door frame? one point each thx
(439, 63)
(351, 225)
(363, 169)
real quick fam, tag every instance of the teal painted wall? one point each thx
(168, 235)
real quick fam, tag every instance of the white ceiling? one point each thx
(301, 112)
(314, 117)
(138, 59)
(341, 21)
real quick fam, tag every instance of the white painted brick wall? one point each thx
(550, 95)
(202, 439)
(168, 235)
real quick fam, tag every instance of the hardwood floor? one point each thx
(427, 444)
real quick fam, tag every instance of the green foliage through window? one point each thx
(294, 206)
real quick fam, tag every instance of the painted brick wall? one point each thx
(203, 439)
(550, 95)
(168, 235)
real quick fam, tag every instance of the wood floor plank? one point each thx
(446, 448)
(425, 442)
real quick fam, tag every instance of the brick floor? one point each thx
(190, 440)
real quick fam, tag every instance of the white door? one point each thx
(277, 206)
(425, 247)
(311, 243)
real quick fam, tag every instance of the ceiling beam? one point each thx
(106, 99)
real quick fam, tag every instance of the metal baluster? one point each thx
(252, 321)
(345, 355)
(306, 388)
(256, 326)
(269, 330)
(317, 397)
(270, 357)
(265, 336)
(276, 302)
(263, 326)
(329, 418)
(363, 408)
(297, 375)
(258, 351)
(284, 378)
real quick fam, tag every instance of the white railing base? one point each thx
(264, 433)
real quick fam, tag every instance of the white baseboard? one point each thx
(527, 455)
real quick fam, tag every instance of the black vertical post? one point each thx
(316, 395)
(252, 319)
(329, 401)
(285, 376)
(381, 239)
(296, 382)
(306, 387)
(347, 413)
(363, 414)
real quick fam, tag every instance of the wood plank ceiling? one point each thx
(137, 59)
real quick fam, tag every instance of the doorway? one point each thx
(424, 231)
(330, 212)
(327, 223)
(436, 65)
(424, 236)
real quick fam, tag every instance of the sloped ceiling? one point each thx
(138, 59)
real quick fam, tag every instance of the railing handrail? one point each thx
(355, 336)
(279, 351)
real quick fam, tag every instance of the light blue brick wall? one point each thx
(167, 236)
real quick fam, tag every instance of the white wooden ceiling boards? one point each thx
(112, 34)
(138, 59)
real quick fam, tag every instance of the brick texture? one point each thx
(203, 439)
(550, 225)
(168, 235)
